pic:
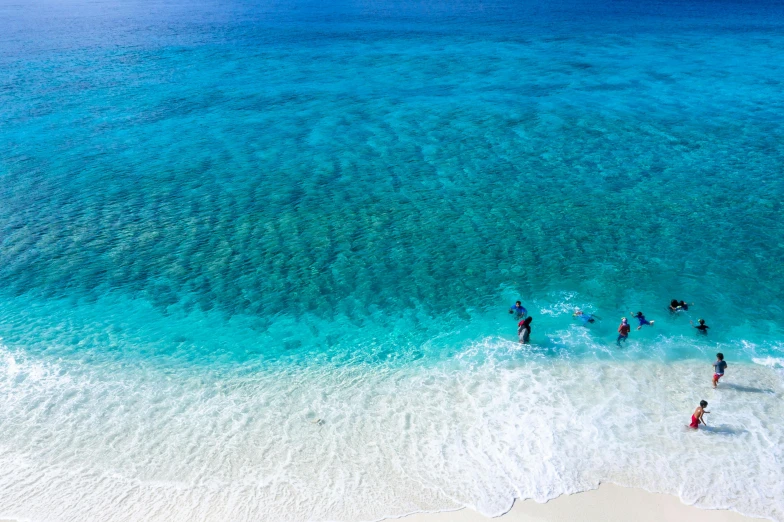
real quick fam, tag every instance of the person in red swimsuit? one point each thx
(696, 417)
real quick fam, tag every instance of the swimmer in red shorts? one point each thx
(696, 417)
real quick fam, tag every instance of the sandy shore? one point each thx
(609, 503)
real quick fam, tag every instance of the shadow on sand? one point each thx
(748, 389)
(723, 429)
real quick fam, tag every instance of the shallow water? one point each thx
(221, 222)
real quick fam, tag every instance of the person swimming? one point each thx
(696, 417)
(524, 330)
(701, 327)
(585, 318)
(518, 310)
(642, 320)
(678, 306)
(623, 331)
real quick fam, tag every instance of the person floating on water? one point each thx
(696, 417)
(585, 318)
(623, 331)
(678, 306)
(718, 368)
(701, 327)
(642, 320)
(524, 330)
(518, 310)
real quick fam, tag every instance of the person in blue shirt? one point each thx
(642, 320)
(585, 318)
(518, 310)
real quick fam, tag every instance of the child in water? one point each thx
(718, 368)
(702, 327)
(524, 330)
(518, 310)
(623, 331)
(696, 417)
(642, 320)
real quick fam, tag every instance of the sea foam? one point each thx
(363, 442)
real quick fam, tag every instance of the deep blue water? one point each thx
(256, 257)
(387, 172)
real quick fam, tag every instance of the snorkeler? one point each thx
(642, 320)
(524, 330)
(718, 368)
(701, 327)
(585, 318)
(696, 417)
(623, 331)
(684, 306)
(518, 310)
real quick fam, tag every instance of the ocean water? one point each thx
(256, 257)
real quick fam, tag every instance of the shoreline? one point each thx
(608, 503)
(419, 442)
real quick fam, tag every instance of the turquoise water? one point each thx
(214, 192)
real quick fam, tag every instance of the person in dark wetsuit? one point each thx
(684, 306)
(642, 320)
(518, 310)
(701, 327)
(674, 306)
(524, 330)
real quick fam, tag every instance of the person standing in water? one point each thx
(524, 330)
(642, 320)
(701, 327)
(623, 331)
(696, 417)
(718, 368)
(518, 309)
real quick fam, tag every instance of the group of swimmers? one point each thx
(675, 307)
(524, 335)
(524, 326)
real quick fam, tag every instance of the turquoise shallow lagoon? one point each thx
(224, 225)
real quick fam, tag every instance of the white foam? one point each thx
(364, 442)
(772, 362)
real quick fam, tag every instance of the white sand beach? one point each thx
(609, 503)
